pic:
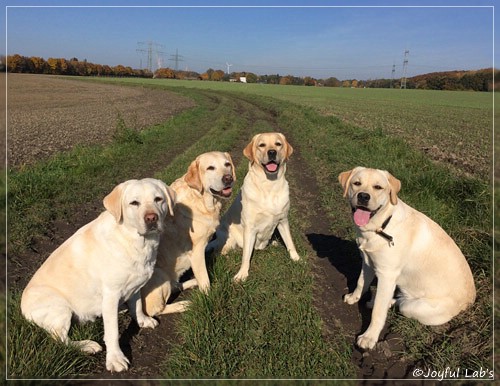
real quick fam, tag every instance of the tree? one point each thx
(308, 81)
(217, 75)
(39, 64)
(251, 78)
(332, 82)
(16, 63)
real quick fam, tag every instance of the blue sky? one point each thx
(349, 42)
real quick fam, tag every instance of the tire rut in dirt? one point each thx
(336, 266)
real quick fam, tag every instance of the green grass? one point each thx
(457, 123)
(268, 327)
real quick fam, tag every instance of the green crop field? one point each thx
(439, 144)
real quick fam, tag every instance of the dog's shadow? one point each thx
(345, 257)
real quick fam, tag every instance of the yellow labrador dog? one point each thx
(404, 249)
(199, 196)
(102, 265)
(262, 204)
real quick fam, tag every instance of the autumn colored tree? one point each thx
(308, 81)
(217, 75)
(166, 73)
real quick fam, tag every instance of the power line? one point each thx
(405, 69)
(392, 75)
(176, 58)
(151, 49)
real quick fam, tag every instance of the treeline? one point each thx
(478, 80)
(61, 66)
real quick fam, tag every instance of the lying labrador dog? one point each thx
(262, 204)
(199, 196)
(102, 265)
(404, 249)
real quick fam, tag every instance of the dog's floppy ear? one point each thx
(113, 202)
(248, 150)
(193, 178)
(170, 195)
(232, 165)
(395, 185)
(287, 146)
(344, 179)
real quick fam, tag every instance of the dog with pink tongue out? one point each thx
(262, 204)
(407, 251)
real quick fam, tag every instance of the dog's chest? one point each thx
(139, 269)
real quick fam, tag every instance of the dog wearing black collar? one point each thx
(405, 250)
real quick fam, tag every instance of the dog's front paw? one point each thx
(116, 362)
(204, 286)
(240, 277)
(367, 341)
(351, 298)
(147, 322)
(294, 256)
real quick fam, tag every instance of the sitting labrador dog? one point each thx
(262, 204)
(404, 249)
(102, 265)
(199, 196)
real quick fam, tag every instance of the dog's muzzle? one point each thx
(227, 180)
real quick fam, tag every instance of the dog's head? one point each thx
(212, 172)
(269, 151)
(369, 191)
(141, 205)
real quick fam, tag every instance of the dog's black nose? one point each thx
(363, 198)
(227, 179)
(272, 154)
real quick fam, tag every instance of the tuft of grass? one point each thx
(124, 133)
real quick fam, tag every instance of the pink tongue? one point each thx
(271, 167)
(361, 217)
(226, 191)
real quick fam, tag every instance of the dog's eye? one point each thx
(211, 168)
(227, 164)
(357, 183)
(158, 199)
(278, 144)
(135, 203)
(262, 145)
(378, 187)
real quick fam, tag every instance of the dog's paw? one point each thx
(88, 346)
(147, 322)
(351, 298)
(116, 362)
(367, 341)
(294, 256)
(204, 286)
(240, 277)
